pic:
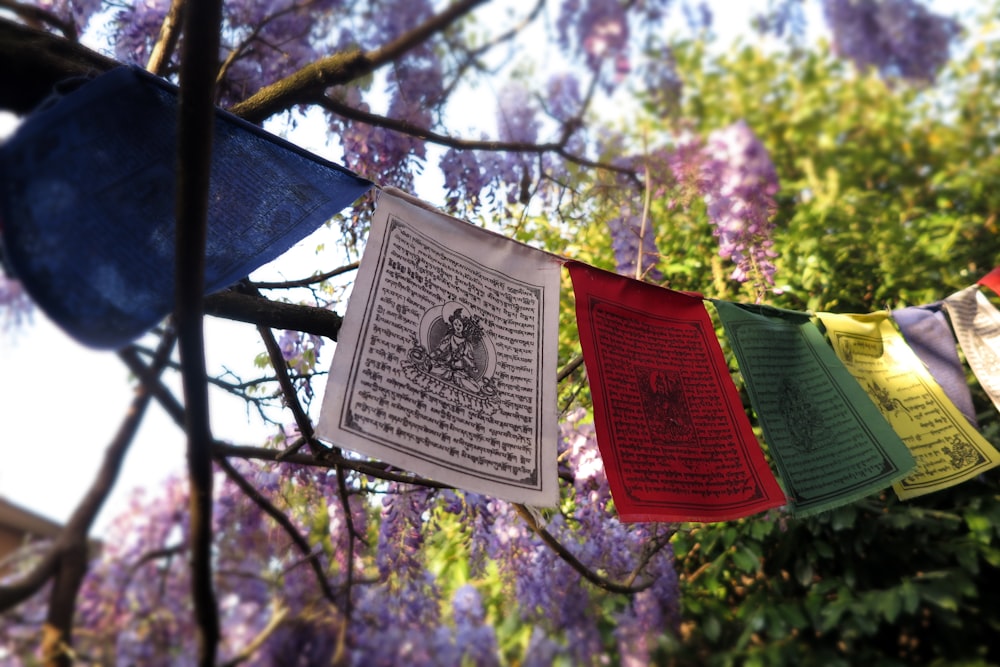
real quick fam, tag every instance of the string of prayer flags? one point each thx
(991, 280)
(977, 326)
(925, 329)
(87, 199)
(947, 448)
(675, 441)
(446, 360)
(829, 442)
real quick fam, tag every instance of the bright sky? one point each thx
(61, 403)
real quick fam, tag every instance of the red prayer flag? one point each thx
(676, 443)
(991, 280)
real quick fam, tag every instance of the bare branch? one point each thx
(71, 545)
(369, 468)
(305, 282)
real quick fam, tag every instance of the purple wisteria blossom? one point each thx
(740, 182)
(900, 38)
(733, 172)
(300, 350)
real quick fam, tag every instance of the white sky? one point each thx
(61, 403)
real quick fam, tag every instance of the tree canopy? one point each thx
(850, 175)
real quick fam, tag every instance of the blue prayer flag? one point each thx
(87, 194)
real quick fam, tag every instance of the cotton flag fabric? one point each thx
(446, 361)
(87, 193)
(977, 326)
(925, 329)
(675, 441)
(829, 442)
(947, 448)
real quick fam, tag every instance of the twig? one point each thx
(569, 368)
(305, 282)
(196, 115)
(279, 517)
(413, 130)
(288, 389)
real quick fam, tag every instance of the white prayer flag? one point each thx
(977, 327)
(446, 360)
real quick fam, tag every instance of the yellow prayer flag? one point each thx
(947, 448)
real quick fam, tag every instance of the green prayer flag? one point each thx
(829, 442)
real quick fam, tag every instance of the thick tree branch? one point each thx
(166, 41)
(38, 17)
(309, 83)
(195, 129)
(32, 62)
(264, 312)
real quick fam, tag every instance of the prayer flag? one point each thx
(977, 326)
(947, 448)
(87, 204)
(991, 280)
(676, 443)
(925, 329)
(830, 444)
(446, 363)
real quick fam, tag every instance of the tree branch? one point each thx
(410, 129)
(195, 129)
(306, 282)
(309, 83)
(302, 420)
(34, 61)
(37, 17)
(368, 468)
(264, 312)
(71, 545)
(601, 582)
(166, 41)
(282, 520)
